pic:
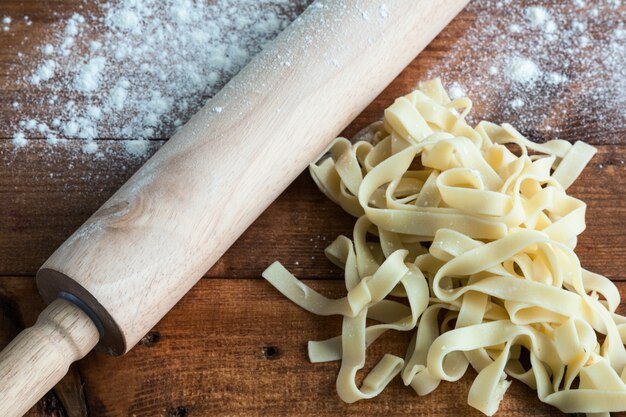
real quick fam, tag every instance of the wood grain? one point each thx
(242, 351)
(209, 356)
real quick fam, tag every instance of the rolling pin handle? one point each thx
(41, 355)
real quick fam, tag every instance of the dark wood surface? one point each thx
(233, 345)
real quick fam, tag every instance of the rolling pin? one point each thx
(134, 259)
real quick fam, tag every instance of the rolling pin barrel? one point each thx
(151, 241)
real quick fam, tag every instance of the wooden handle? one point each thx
(41, 355)
(151, 242)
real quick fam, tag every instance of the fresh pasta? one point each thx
(465, 237)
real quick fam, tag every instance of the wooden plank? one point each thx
(238, 348)
(49, 191)
(46, 193)
(207, 356)
(572, 124)
(44, 197)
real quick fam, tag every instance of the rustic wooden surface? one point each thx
(233, 345)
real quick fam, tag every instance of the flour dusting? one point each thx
(547, 67)
(137, 69)
(6, 23)
(522, 70)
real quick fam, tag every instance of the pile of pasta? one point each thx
(465, 237)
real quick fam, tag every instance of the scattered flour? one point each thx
(522, 70)
(31, 124)
(563, 62)
(47, 49)
(537, 16)
(456, 90)
(19, 140)
(88, 78)
(136, 147)
(517, 103)
(44, 72)
(6, 23)
(138, 69)
(556, 78)
(90, 147)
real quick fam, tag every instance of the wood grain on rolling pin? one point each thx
(41, 355)
(154, 238)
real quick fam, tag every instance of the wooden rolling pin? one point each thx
(127, 266)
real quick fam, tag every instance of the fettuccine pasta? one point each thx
(465, 237)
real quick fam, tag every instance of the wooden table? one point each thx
(234, 346)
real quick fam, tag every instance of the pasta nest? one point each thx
(465, 236)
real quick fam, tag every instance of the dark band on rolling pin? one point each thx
(79, 303)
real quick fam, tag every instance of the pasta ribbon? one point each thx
(465, 236)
